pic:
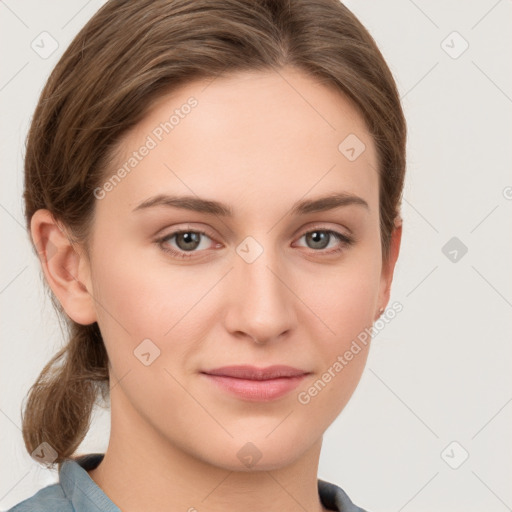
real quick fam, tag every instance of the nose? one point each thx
(261, 304)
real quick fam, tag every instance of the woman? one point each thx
(213, 189)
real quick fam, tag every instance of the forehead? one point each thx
(258, 135)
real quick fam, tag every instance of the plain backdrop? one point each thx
(429, 425)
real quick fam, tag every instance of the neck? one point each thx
(155, 474)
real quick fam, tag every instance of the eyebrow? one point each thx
(211, 207)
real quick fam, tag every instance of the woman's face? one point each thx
(251, 287)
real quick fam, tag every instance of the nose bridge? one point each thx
(262, 305)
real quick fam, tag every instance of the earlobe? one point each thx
(65, 269)
(388, 267)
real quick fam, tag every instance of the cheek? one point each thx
(140, 297)
(123, 295)
(344, 299)
(344, 302)
(137, 301)
(342, 353)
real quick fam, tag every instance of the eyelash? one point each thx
(345, 242)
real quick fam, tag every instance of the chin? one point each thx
(258, 454)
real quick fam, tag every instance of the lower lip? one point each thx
(257, 390)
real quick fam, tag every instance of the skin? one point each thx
(258, 142)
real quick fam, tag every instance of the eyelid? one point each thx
(327, 226)
(349, 235)
(344, 239)
(169, 232)
(303, 231)
(344, 242)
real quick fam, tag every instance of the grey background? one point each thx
(440, 372)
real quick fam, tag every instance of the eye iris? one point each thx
(318, 237)
(188, 238)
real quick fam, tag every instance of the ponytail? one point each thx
(60, 402)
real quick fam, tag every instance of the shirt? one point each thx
(76, 491)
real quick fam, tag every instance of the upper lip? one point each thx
(254, 373)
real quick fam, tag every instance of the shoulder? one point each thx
(48, 499)
(335, 498)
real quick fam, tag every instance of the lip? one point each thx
(256, 384)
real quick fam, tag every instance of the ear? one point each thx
(388, 266)
(65, 266)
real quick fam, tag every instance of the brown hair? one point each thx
(126, 57)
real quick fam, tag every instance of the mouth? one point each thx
(256, 384)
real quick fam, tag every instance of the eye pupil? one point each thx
(191, 240)
(320, 239)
